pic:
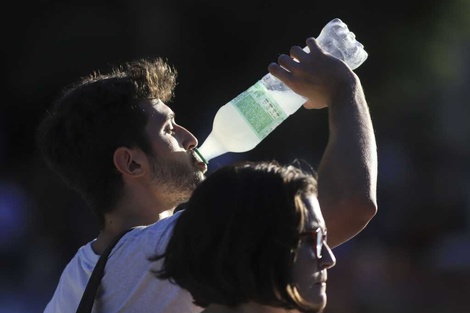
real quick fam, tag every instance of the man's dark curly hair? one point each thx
(96, 115)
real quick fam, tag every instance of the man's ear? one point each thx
(130, 162)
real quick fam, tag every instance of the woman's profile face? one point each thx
(313, 257)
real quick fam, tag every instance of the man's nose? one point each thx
(187, 139)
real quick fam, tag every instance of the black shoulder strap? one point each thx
(88, 298)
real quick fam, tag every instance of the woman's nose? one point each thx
(328, 259)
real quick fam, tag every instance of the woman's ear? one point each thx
(129, 161)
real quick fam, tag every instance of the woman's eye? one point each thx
(309, 240)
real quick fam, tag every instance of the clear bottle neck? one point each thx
(211, 148)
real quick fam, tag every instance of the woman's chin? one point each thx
(317, 296)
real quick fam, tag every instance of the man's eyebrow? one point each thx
(170, 116)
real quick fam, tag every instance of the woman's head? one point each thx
(244, 237)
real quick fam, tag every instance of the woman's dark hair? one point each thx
(236, 240)
(92, 118)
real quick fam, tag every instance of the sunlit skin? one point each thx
(347, 173)
(153, 185)
(175, 170)
(347, 185)
(310, 273)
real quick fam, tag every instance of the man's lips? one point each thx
(198, 156)
(202, 166)
(198, 162)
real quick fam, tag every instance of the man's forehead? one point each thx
(157, 107)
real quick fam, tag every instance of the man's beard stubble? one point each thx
(176, 180)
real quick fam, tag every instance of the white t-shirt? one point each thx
(128, 285)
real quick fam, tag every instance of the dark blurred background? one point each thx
(415, 254)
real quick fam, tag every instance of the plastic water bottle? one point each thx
(241, 124)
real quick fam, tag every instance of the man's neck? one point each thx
(116, 222)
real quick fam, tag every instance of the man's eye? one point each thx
(170, 131)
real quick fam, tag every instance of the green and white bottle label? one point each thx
(259, 109)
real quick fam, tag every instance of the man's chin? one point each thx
(199, 177)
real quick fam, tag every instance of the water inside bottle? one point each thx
(239, 127)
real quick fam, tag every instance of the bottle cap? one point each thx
(202, 159)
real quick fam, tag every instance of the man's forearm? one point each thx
(347, 176)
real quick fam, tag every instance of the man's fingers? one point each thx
(298, 53)
(287, 62)
(313, 45)
(277, 71)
